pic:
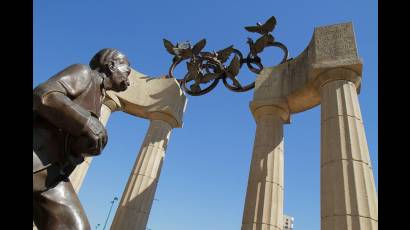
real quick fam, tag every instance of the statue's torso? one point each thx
(49, 142)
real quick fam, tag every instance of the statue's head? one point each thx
(115, 66)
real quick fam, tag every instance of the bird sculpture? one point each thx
(195, 74)
(232, 71)
(220, 55)
(208, 68)
(183, 51)
(260, 44)
(266, 28)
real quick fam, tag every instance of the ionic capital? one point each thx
(336, 74)
(164, 117)
(278, 108)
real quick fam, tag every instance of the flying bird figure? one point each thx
(220, 55)
(233, 69)
(198, 47)
(195, 74)
(260, 44)
(223, 55)
(183, 50)
(263, 29)
(180, 50)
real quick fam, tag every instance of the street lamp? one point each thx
(112, 203)
(98, 225)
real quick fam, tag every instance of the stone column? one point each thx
(264, 195)
(348, 193)
(136, 201)
(78, 175)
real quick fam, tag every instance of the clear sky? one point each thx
(204, 176)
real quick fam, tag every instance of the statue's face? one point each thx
(120, 70)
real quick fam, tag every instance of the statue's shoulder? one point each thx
(79, 71)
(75, 78)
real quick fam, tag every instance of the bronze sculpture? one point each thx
(65, 129)
(207, 68)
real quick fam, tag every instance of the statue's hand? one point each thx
(93, 139)
(97, 134)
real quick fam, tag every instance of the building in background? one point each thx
(287, 222)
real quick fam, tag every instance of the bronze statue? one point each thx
(65, 129)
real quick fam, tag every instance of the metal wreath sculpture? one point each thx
(205, 67)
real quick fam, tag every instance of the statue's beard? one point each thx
(121, 87)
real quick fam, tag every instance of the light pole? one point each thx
(112, 203)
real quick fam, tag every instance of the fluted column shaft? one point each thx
(264, 195)
(136, 201)
(78, 175)
(348, 194)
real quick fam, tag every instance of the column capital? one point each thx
(165, 118)
(270, 94)
(273, 107)
(337, 74)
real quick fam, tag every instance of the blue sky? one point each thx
(204, 176)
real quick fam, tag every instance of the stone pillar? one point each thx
(348, 193)
(78, 175)
(135, 205)
(264, 195)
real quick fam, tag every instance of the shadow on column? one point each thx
(257, 198)
(135, 212)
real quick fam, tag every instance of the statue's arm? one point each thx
(52, 99)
